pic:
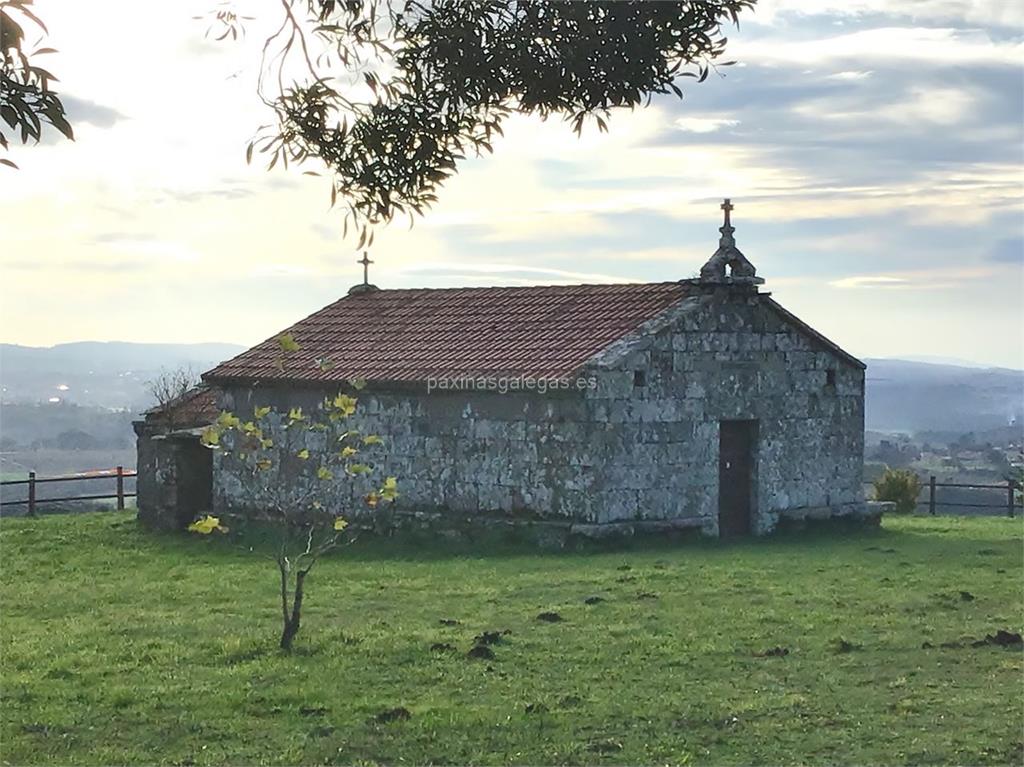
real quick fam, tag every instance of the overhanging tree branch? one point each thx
(402, 91)
(27, 101)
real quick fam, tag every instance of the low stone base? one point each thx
(482, 530)
(544, 533)
(865, 514)
(165, 520)
(561, 533)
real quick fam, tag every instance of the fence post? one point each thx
(931, 495)
(120, 488)
(1010, 487)
(31, 494)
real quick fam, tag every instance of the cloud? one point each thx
(871, 281)
(939, 276)
(1008, 251)
(994, 13)
(146, 246)
(325, 232)
(200, 195)
(928, 128)
(850, 75)
(704, 124)
(83, 266)
(883, 44)
(81, 110)
(507, 273)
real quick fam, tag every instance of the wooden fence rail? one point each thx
(119, 474)
(1011, 488)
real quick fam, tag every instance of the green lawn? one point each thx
(121, 646)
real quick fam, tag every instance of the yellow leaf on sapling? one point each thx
(287, 343)
(340, 524)
(324, 473)
(207, 525)
(372, 439)
(202, 526)
(344, 405)
(348, 452)
(261, 412)
(303, 454)
(210, 437)
(389, 490)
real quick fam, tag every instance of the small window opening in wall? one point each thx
(830, 379)
(639, 378)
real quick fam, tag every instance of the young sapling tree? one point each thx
(305, 474)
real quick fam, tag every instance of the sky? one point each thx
(872, 149)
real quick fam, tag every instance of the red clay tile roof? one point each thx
(196, 407)
(411, 335)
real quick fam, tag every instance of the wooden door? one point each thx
(195, 480)
(737, 442)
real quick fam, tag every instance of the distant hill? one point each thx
(902, 395)
(908, 396)
(106, 374)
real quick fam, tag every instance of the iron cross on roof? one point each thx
(365, 261)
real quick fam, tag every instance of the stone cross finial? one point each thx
(727, 228)
(728, 266)
(365, 261)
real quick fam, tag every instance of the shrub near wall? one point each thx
(901, 487)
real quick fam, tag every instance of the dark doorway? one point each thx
(737, 441)
(194, 471)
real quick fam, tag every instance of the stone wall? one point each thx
(174, 476)
(720, 357)
(639, 448)
(151, 494)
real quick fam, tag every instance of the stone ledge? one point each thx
(864, 509)
(866, 513)
(640, 526)
(558, 531)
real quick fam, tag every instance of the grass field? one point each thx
(121, 646)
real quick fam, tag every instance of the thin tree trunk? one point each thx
(291, 625)
(285, 639)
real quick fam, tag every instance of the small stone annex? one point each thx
(580, 409)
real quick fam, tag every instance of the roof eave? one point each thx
(814, 335)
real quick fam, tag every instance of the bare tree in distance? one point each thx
(169, 388)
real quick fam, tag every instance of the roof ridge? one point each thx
(520, 287)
